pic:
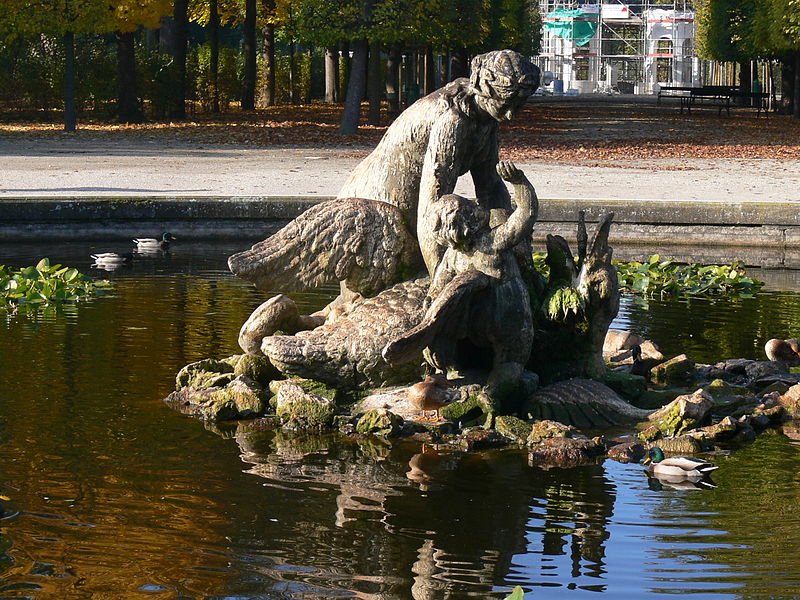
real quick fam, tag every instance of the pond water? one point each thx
(111, 494)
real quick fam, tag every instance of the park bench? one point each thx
(721, 96)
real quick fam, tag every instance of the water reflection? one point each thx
(121, 497)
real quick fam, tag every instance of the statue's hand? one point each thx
(508, 171)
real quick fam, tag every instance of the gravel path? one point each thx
(68, 167)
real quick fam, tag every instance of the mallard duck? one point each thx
(639, 366)
(785, 351)
(431, 394)
(153, 244)
(676, 467)
(111, 259)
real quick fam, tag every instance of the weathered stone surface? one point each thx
(676, 370)
(630, 387)
(762, 382)
(476, 408)
(683, 444)
(632, 451)
(791, 401)
(544, 430)
(719, 388)
(683, 413)
(584, 403)
(513, 428)
(616, 341)
(347, 352)
(722, 431)
(240, 398)
(299, 409)
(565, 452)
(380, 422)
(396, 400)
(482, 439)
(279, 313)
(257, 368)
(204, 374)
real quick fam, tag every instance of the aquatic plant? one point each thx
(46, 284)
(658, 277)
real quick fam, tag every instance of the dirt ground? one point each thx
(601, 147)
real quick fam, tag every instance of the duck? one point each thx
(154, 244)
(111, 259)
(676, 468)
(785, 351)
(431, 394)
(639, 366)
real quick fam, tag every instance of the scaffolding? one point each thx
(618, 47)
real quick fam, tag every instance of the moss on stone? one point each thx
(719, 388)
(475, 407)
(513, 428)
(257, 368)
(242, 398)
(380, 422)
(630, 387)
(203, 374)
(299, 409)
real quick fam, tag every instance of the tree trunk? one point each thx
(249, 49)
(128, 110)
(355, 87)
(393, 79)
(375, 83)
(745, 82)
(269, 59)
(308, 90)
(70, 112)
(213, 42)
(331, 74)
(181, 25)
(430, 70)
(344, 81)
(796, 94)
(459, 65)
(293, 91)
(787, 85)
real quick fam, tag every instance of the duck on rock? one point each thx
(785, 351)
(431, 394)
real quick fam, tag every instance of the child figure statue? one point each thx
(477, 292)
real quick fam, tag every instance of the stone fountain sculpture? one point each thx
(429, 279)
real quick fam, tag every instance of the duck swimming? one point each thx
(154, 244)
(111, 259)
(676, 467)
(431, 394)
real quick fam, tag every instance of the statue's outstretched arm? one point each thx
(520, 224)
(445, 157)
(490, 191)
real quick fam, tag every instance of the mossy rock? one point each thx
(380, 422)
(675, 371)
(242, 398)
(299, 409)
(683, 444)
(204, 374)
(631, 387)
(651, 399)
(720, 388)
(544, 430)
(513, 428)
(476, 409)
(257, 368)
(307, 385)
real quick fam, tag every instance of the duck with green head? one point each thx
(676, 467)
(154, 244)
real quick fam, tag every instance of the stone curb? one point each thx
(676, 222)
